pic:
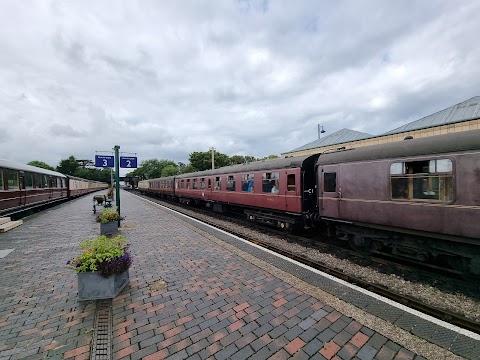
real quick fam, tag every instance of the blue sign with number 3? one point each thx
(105, 161)
(128, 162)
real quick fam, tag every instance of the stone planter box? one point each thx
(109, 228)
(92, 286)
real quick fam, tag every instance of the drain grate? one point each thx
(102, 336)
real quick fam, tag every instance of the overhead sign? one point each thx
(105, 161)
(128, 162)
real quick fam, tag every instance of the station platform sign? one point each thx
(128, 162)
(104, 161)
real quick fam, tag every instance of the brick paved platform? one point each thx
(193, 293)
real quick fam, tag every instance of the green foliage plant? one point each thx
(108, 215)
(97, 252)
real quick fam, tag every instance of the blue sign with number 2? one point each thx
(128, 162)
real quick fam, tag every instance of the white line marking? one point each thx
(5, 252)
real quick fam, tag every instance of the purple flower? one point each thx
(116, 265)
(69, 261)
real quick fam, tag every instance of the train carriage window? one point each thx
(270, 182)
(429, 180)
(195, 184)
(188, 183)
(12, 177)
(291, 182)
(28, 180)
(248, 182)
(38, 181)
(218, 183)
(202, 183)
(1, 179)
(330, 182)
(209, 183)
(45, 181)
(230, 183)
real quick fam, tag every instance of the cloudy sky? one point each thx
(165, 78)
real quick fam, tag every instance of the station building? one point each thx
(464, 116)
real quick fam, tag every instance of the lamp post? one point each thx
(212, 149)
(320, 131)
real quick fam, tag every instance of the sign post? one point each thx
(117, 182)
(116, 161)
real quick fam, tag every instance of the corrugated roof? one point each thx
(466, 110)
(339, 137)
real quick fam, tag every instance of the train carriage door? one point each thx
(329, 191)
(291, 190)
(23, 191)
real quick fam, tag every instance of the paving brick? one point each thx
(386, 353)
(197, 347)
(261, 342)
(329, 350)
(278, 343)
(342, 338)
(404, 354)
(326, 335)
(226, 353)
(359, 339)
(295, 345)
(347, 352)
(243, 353)
(277, 331)
(367, 352)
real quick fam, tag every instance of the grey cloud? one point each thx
(72, 51)
(65, 130)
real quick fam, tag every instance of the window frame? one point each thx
(231, 179)
(267, 178)
(418, 183)
(327, 183)
(16, 172)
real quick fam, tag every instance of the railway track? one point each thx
(437, 312)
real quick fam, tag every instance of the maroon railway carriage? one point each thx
(162, 187)
(279, 191)
(427, 190)
(24, 186)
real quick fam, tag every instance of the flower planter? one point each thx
(92, 286)
(109, 228)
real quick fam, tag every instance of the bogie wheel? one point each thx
(360, 244)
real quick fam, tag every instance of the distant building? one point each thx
(464, 116)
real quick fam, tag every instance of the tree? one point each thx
(68, 166)
(169, 170)
(41, 164)
(150, 169)
(203, 160)
(239, 159)
(102, 175)
(270, 157)
(187, 169)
